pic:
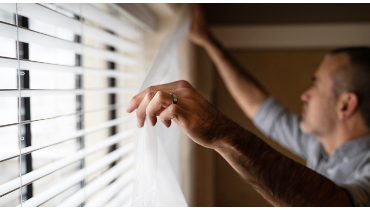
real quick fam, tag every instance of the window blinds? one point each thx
(66, 73)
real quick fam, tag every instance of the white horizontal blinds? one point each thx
(50, 168)
(77, 177)
(104, 19)
(74, 62)
(9, 140)
(15, 152)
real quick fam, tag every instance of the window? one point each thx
(66, 73)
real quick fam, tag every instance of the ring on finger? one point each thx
(174, 98)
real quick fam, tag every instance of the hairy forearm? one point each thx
(246, 91)
(282, 181)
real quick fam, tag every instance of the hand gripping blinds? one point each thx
(67, 72)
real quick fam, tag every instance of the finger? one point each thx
(141, 110)
(160, 102)
(169, 87)
(175, 113)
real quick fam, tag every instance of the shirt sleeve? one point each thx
(282, 125)
(358, 189)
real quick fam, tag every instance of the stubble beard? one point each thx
(323, 125)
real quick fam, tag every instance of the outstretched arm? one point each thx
(246, 91)
(279, 179)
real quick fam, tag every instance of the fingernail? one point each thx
(138, 125)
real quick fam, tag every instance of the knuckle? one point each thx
(149, 95)
(187, 94)
(161, 95)
(135, 100)
(150, 89)
(184, 84)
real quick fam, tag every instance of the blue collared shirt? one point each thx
(348, 167)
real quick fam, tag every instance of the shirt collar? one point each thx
(353, 147)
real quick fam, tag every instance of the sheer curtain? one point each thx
(157, 170)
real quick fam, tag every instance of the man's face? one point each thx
(319, 102)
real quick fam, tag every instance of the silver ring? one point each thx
(174, 98)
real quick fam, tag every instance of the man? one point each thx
(332, 136)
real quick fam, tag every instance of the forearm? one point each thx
(277, 178)
(246, 91)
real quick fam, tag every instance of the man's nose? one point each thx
(305, 96)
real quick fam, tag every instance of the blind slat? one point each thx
(138, 13)
(29, 36)
(8, 31)
(109, 55)
(48, 169)
(79, 133)
(29, 65)
(109, 192)
(122, 197)
(102, 18)
(108, 38)
(110, 73)
(33, 93)
(103, 180)
(9, 62)
(78, 177)
(39, 12)
(127, 203)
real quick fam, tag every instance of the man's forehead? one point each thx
(331, 63)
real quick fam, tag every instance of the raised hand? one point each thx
(199, 33)
(192, 113)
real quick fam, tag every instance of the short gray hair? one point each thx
(355, 77)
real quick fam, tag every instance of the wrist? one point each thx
(228, 134)
(209, 42)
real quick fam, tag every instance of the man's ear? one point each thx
(347, 103)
